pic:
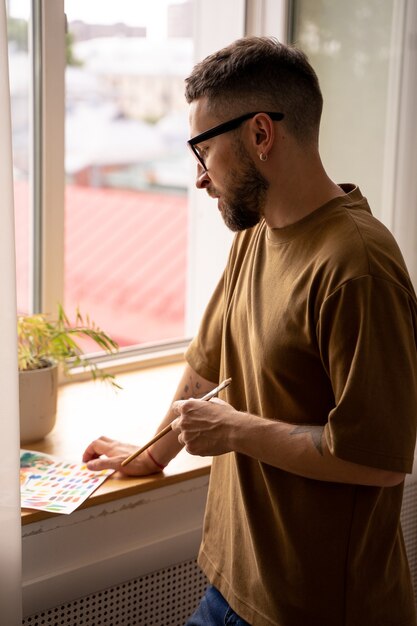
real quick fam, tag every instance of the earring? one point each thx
(263, 156)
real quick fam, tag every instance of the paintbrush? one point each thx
(167, 429)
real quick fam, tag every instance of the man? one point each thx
(315, 321)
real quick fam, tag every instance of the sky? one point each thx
(149, 13)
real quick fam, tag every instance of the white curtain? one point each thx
(10, 533)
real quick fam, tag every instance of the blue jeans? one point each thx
(213, 610)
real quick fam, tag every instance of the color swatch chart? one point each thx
(55, 485)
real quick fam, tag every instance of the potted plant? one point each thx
(43, 344)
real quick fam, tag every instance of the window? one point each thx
(347, 44)
(122, 233)
(364, 55)
(125, 160)
(127, 172)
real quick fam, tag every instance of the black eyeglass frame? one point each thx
(225, 127)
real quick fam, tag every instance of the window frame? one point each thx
(206, 228)
(48, 180)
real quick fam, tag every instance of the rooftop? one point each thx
(125, 260)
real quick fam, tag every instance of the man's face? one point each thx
(231, 175)
(243, 198)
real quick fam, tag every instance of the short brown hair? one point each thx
(260, 73)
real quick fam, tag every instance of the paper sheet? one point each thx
(55, 485)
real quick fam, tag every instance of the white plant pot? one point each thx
(38, 402)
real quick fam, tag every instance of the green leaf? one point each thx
(41, 339)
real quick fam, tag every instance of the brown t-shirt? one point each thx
(316, 324)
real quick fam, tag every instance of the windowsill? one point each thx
(89, 409)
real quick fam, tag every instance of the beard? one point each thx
(242, 204)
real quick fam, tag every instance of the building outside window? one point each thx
(142, 249)
(127, 171)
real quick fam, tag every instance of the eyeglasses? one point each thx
(223, 128)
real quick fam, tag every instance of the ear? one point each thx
(263, 133)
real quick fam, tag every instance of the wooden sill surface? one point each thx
(88, 410)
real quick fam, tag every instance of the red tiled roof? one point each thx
(125, 260)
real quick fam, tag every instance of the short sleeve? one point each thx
(367, 341)
(203, 353)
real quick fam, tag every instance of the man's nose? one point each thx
(202, 179)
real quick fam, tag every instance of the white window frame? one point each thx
(400, 181)
(268, 17)
(209, 239)
(217, 23)
(48, 179)
(47, 155)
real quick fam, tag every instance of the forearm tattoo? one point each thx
(316, 433)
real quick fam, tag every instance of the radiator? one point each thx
(409, 524)
(163, 598)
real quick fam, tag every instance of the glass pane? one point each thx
(349, 46)
(17, 27)
(127, 166)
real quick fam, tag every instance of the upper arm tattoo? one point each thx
(316, 433)
(192, 389)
